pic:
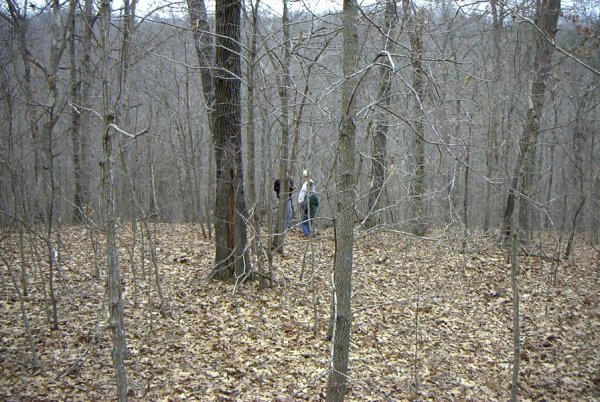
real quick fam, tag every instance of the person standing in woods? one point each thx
(303, 189)
(309, 208)
(288, 201)
(302, 192)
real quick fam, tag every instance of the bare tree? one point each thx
(415, 19)
(251, 66)
(493, 132)
(110, 127)
(232, 262)
(345, 198)
(221, 88)
(547, 20)
(283, 83)
(203, 43)
(380, 132)
(44, 143)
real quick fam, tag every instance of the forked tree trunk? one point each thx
(221, 89)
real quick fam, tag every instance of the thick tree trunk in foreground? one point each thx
(221, 87)
(232, 262)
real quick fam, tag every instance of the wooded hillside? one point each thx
(449, 151)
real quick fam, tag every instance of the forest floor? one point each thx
(429, 322)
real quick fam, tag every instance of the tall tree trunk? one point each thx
(417, 187)
(127, 191)
(284, 121)
(75, 99)
(250, 125)
(491, 155)
(195, 165)
(220, 72)
(232, 262)
(547, 20)
(20, 24)
(379, 156)
(344, 221)
(52, 114)
(115, 291)
(87, 69)
(80, 87)
(205, 54)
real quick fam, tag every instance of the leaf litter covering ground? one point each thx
(429, 323)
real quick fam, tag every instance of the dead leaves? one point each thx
(429, 323)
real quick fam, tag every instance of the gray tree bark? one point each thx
(283, 82)
(251, 126)
(547, 20)
(75, 99)
(491, 155)
(345, 199)
(417, 187)
(380, 133)
(205, 54)
(115, 292)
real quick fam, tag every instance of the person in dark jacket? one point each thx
(288, 201)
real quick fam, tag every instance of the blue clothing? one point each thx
(309, 213)
(288, 201)
(288, 213)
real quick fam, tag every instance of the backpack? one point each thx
(313, 200)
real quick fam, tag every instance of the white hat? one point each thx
(305, 172)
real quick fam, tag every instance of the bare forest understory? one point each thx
(430, 323)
